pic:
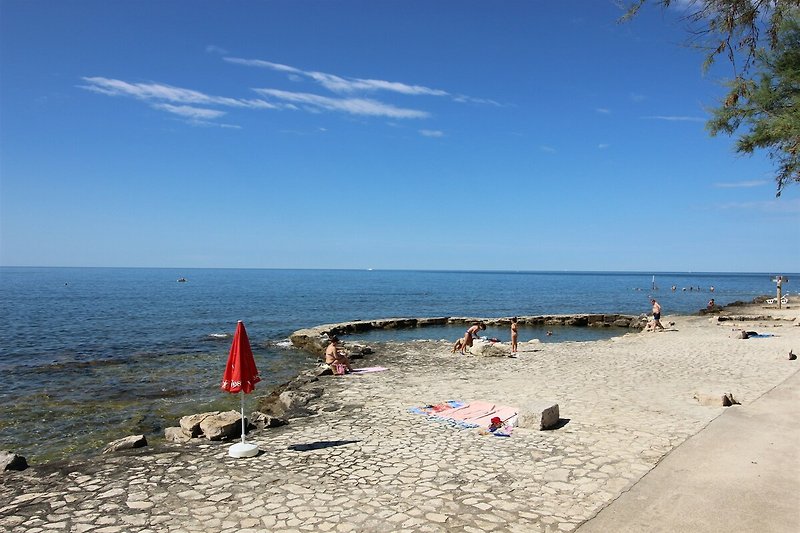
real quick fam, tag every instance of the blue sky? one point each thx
(519, 135)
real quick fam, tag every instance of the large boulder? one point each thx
(12, 461)
(222, 425)
(176, 434)
(126, 443)
(191, 424)
(490, 349)
(538, 415)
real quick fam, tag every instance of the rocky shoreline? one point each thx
(352, 457)
(295, 398)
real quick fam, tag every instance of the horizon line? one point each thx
(442, 270)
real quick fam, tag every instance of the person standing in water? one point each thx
(514, 337)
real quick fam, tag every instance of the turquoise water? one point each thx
(91, 354)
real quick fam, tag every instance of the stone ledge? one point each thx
(315, 339)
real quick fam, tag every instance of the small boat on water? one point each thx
(181, 280)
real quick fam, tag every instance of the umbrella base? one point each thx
(243, 449)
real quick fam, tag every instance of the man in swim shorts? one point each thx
(656, 315)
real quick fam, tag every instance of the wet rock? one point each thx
(126, 443)
(12, 461)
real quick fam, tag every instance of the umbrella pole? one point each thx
(241, 395)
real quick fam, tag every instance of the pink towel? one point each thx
(481, 413)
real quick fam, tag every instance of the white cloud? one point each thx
(354, 106)
(740, 184)
(213, 49)
(262, 64)
(190, 112)
(545, 148)
(603, 110)
(471, 100)
(197, 106)
(339, 84)
(168, 93)
(431, 133)
(636, 97)
(603, 146)
(672, 118)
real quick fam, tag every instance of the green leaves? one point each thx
(762, 104)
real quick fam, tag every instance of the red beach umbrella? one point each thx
(241, 375)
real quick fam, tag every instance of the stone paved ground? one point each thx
(364, 463)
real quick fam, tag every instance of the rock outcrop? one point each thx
(213, 425)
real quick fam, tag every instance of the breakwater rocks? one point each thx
(315, 339)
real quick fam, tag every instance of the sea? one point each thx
(95, 354)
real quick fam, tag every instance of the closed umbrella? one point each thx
(241, 375)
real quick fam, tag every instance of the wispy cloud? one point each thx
(603, 146)
(350, 95)
(176, 100)
(190, 112)
(354, 106)
(549, 149)
(463, 99)
(431, 133)
(160, 92)
(603, 111)
(636, 97)
(339, 84)
(673, 118)
(213, 49)
(348, 85)
(740, 184)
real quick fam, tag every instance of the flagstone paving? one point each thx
(365, 463)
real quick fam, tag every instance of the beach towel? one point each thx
(475, 414)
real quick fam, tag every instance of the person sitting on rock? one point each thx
(336, 358)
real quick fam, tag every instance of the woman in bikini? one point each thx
(471, 333)
(514, 337)
(336, 356)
